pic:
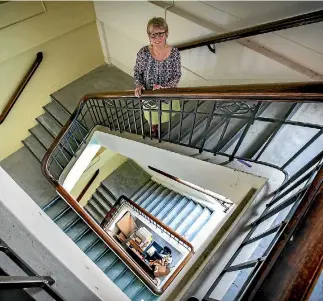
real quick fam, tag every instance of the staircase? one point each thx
(182, 214)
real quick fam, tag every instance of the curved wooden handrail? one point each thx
(300, 20)
(291, 92)
(274, 92)
(21, 87)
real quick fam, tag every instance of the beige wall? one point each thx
(67, 35)
(124, 27)
(106, 163)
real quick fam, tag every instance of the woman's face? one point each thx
(157, 36)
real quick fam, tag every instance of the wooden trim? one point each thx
(87, 186)
(21, 87)
(290, 270)
(299, 20)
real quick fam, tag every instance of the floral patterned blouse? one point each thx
(149, 71)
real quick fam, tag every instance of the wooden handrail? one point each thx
(21, 87)
(165, 174)
(280, 92)
(273, 92)
(87, 186)
(300, 20)
(291, 266)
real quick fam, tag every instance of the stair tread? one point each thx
(198, 224)
(102, 201)
(42, 135)
(186, 224)
(181, 216)
(159, 199)
(141, 191)
(50, 124)
(104, 194)
(35, 147)
(97, 205)
(155, 193)
(94, 213)
(57, 112)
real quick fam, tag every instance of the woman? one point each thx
(158, 66)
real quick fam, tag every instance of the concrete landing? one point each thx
(25, 170)
(101, 79)
(126, 180)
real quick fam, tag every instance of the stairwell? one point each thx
(182, 214)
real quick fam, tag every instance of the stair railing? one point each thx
(201, 106)
(31, 280)
(8, 107)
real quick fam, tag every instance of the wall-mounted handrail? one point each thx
(224, 204)
(299, 20)
(97, 109)
(87, 186)
(21, 87)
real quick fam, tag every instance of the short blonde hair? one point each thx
(157, 22)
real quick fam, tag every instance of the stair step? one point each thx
(175, 210)
(157, 209)
(133, 288)
(36, 149)
(102, 201)
(159, 199)
(191, 218)
(154, 194)
(165, 210)
(56, 208)
(49, 124)
(44, 138)
(142, 190)
(182, 215)
(57, 112)
(198, 224)
(115, 270)
(125, 279)
(107, 260)
(109, 199)
(96, 203)
(95, 214)
(147, 193)
(87, 240)
(66, 219)
(78, 229)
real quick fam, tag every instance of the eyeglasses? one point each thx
(157, 34)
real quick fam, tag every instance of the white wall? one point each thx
(124, 27)
(48, 250)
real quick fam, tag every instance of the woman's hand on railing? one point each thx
(138, 90)
(156, 87)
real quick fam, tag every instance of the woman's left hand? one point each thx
(156, 87)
